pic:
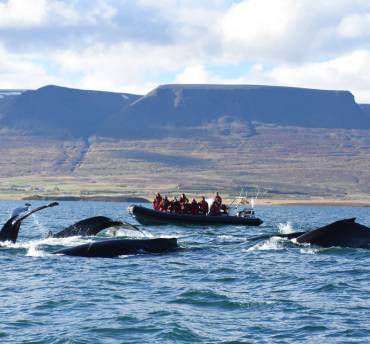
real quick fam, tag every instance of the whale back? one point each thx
(87, 227)
(343, 233)
(118, 247)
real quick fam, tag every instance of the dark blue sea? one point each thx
(218, 288)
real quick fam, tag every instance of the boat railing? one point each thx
(241, 206)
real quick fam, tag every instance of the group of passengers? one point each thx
(184, 206)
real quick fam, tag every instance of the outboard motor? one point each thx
(245, 213)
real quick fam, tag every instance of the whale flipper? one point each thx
(118, 247)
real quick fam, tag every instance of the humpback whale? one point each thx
(117, 247)
(10, 230)
(342, 233)
(87, 227)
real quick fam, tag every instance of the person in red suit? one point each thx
(203, 207)
(157, 201)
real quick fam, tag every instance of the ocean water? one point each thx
(218, 288)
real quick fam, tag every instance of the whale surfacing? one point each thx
(10, 230)
(118, 247)
(342, 233)
(87, 227)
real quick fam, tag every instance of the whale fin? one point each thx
(10, 230)
(128, 225)
(342, 233)
(87, 227)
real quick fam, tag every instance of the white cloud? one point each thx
(134, 46)
(347, 72)
(291, 30)
(69, 13)
(355, 26)
(20, 73)
(124, 67)
(196, 74)
(22, 13)
(336, 74)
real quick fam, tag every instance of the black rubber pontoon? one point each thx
(147, 216)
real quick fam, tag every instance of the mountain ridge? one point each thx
(173, 109)
(194, 138)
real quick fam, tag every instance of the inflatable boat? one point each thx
(147, 216)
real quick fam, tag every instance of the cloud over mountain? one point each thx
(133, 46)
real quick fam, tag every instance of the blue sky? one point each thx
(133, 46)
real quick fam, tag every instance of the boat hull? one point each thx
(147, 216)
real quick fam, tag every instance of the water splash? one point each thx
(122, 232)
(70, 241)
(274, 243)
(285, 228)
(38, 224)
(34, 252)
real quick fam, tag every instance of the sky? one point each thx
(135, 45)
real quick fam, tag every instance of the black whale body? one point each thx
(10, 229)
(118, 247)
(87, 227)
(342, 233)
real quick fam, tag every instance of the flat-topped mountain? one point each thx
(177, 111)
(61, 111)
(178, 106)
(287, 141)
(365, 109)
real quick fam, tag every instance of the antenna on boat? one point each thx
(255, 198)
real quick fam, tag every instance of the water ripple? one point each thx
(219, 288)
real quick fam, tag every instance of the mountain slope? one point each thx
(170, 107)
(62, 112)
(287, 141)
(6, 97)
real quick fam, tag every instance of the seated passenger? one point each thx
(176, 206)
(194, 207)
(170, 206)
(218, 198)
(203, 206)
(183, 199)
(215, 209)
(165, 203)
(157, 201)
(186, 208)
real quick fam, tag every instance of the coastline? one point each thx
(355, 202)
(316, 202)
